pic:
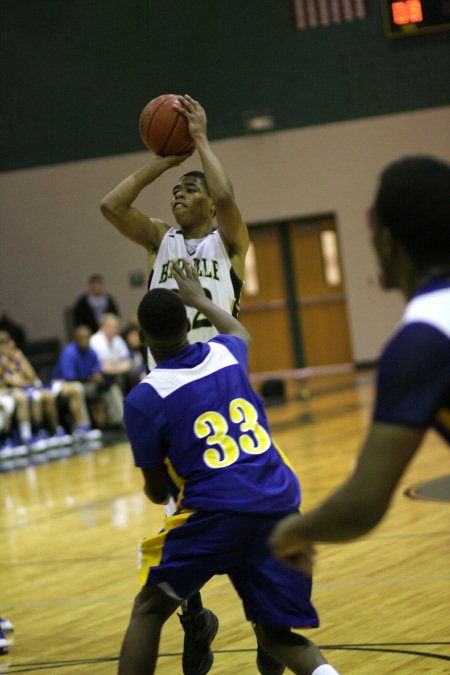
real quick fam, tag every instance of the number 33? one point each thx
(225, 451)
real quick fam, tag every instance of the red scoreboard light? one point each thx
(413, 17)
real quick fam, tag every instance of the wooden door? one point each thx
(293, 301)
(264, 312)
(320, 292)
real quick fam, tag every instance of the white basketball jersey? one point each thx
(215, 272)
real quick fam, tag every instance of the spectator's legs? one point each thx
(73, 393)
(22, 414)
(50, 409)
(114, 405)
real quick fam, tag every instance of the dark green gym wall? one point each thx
(75, 74)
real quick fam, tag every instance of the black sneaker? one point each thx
(266, 664)
(199, 631)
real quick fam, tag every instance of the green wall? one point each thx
(76, 73)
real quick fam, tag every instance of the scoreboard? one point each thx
(413, 17)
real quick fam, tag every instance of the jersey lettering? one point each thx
(205, 268)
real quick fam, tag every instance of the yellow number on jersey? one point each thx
(213, 426)
(243, 411)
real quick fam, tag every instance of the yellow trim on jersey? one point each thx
(151, 548)
(443, 417)
(282, 455)
(176, 480)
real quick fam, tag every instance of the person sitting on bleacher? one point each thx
(11, 447)
(115, 361)
(79, 363)
(19, 376)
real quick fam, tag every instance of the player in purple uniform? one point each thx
(196, 423)
(410, 223)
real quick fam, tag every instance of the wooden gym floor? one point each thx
(70, 529)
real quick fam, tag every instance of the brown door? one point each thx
(319, 289)
(264, 312)
(293, 302)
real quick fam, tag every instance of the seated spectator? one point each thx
(90, 307)
(18, 375)
(78, 362)
(115, 362)
(15, 330)
(138, 353)
(10, 447)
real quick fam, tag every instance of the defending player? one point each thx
(195, 421)
(218, 255)
(410, 223)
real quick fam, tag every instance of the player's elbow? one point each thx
(158, 494)
(106, 207)
(247, 338)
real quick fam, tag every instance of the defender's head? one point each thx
(412, 211)
(163, 321)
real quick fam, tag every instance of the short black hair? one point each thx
(95, 278)
(200, 176)
(162, 314)
(413, 201)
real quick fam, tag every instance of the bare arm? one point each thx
(193, 295)
(117, 206)
(26, 376)
(232, 227)
(360, 504)
(116, 367)
(155, 484)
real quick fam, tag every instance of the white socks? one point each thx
(24, 430)
(326, 669)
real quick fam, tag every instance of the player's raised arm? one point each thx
(117, 205)
(193, 295)
(231, 224)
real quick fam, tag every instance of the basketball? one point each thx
(163, 129)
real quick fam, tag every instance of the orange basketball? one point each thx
(163, 129)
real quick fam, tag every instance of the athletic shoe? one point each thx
(61, 437)
(83, 432)
(5, 453)
(11, 448)
(6, 450)
(266, 664)
(199, 631)
(19, 449)
(40, 442)
(6, 625)
(4, 643)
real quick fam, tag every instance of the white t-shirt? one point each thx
(114, 350)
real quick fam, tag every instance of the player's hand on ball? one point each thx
(286, 545)
(168, 161)
(194, 114)
(188, 282)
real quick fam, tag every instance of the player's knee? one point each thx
(273, 636)
(265, 635)
(151, 602)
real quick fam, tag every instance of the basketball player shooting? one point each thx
(199, 199)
